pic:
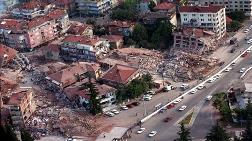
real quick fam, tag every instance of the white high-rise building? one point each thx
(231, 5)
(207, 17)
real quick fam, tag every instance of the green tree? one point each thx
(184, 134)
(233, 26)
(217, 133)
(26, 136)
(237, 16)
(8, 133)
(151, 5)
(162, 37)
(139, 33)
(94, 102)
(126, 11)
(248, 132)
(147, 78)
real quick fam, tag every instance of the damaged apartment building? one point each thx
(30, 29)
(21, 106)
(194, 40)
(82, 48)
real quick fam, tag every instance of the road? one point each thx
(167, 131)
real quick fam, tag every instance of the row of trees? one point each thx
(157, 36)
(7, 134)
(135, 88)
(237, 18)
(217, 133)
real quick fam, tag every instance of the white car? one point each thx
(208, 98)
(248, 50)
(249, 41)
(152, 133)
(242, 70)
(140, 131)
(177, 101)
(184, 86)
(124, 107)
(182, 108)
(250, 27)
(211, 80)
(228, 69)
(246, 30)
(146, 98)
(193, 91)
(200, 87)
(115, 111)
(151, 92)
(110, 114)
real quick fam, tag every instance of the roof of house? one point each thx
(113, 38)
(68, 76)
(38, 21)
(164, 6)
(33, 4)
(123, 24)
(57, 13)
(17, 97)
(81, 39)
(13, 24)
(78, 29)
(119, 73)
(228, 20)
(201, 9)
(7, 52)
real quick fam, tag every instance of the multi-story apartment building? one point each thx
(22, 34)
(231, 5)
(76, 47)
(32, 9)
(124, 28)
(21, 106)
(93, 7)
(68, 5)
(206, 17)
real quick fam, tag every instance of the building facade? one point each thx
(93, 7)
(77, 47)
(21, 107)
(206, 17)
(231, 5)
(124, 28)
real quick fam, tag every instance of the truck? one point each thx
(233, 41)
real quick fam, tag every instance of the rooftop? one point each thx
(119, 73)
(124, 24)
(112, 38)
(78, 29)
(81, 39)
(7, 52)
(56, 14)
(38, 21)
(201, 9)
(13, 24)
(32, 5)
(17, 97)
(164, 6)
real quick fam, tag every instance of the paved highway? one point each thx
(167, 131)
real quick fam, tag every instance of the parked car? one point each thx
(244, 54)
(184, 86)
(170, 106)
(246, 30)
(115, 111)
(141, 130)
(182, 108)
(249, 50)
(228, 69)
(177, 101)
(151, 92)
(193, 91)
(200, 87)
(233, 64)
(124, 107)
(152, 133)
(208, 98)
(110, 114)
(211, 80)
(242, 70)
(249, 41)
(167, 119)
(232, 50)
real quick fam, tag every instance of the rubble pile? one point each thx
(182, 66)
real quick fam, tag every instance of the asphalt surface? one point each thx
(205, 119)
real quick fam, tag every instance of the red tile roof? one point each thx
(33, 4)
(10, 52)
(38, 21)
(63, 2)
(13, 24)
(164, 6)
(56, 14)
(119, 74)
(81, 39)
(18, 97)
(201, 9)
(74, 92)
(228, 20)
(78, 29)
(123, 24)
(113, 38)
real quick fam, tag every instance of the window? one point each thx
(201, 15)
(209, 19)
(193, 15)
(185, 19)
(185, 14)
(201, 19)
(209, 15)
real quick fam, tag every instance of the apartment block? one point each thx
(93, 7)
(231, 5)
(206, 17)
(124, 28)
(21, 106)
(82, 48)
(32, 9)
(28, 34)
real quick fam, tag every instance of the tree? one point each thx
(217, 133)
(94, 102)
(163, 35)
(151, 5)
(237, 16)
(233, 26)
(248, 132)
(139, 33)
(184, 134)
(25, 136)
(126, 11)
